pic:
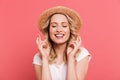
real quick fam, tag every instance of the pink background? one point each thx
(100, 34)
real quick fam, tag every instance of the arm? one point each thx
(43, 72)
(38, 71)
(81, 68)
(71, 73)
(77, 70)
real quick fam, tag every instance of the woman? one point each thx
(60, 56)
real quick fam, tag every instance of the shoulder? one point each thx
(37, 59)
(83, 53)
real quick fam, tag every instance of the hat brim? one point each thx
(59, 9)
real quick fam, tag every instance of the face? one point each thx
(59, 29)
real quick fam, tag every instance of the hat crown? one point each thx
(59, 9)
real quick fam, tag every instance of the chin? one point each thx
(60, 42)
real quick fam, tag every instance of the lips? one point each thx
(59, 36)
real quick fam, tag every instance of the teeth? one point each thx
(59, 35)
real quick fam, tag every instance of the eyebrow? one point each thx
(53, 22)
(56, 22)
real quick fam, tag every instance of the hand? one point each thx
(73, 47)
(43, 47)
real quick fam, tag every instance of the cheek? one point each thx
(67, 31)
(51, 31)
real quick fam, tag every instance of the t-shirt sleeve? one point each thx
(37, 60)
(84, 52)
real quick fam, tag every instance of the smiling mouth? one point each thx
(59, 36)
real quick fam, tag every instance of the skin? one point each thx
(59, 27)
(59, 34)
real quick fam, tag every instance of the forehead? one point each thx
(59, 18)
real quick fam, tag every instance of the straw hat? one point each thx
(59, 9)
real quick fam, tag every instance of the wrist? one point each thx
(70, 56)
(44, 56)
(44, 59)
(71, 59)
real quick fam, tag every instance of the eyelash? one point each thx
(53, 26)
(62, 26)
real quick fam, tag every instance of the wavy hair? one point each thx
(73, 36)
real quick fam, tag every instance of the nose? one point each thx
(59, 29)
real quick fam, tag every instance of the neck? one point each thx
(60, 51)
(60, 48)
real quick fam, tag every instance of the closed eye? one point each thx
(64, 26)
(53, 26)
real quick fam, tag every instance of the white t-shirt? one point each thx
(58, 72)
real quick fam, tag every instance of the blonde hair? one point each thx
(74, 29)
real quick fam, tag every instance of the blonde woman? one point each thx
(60, 56)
